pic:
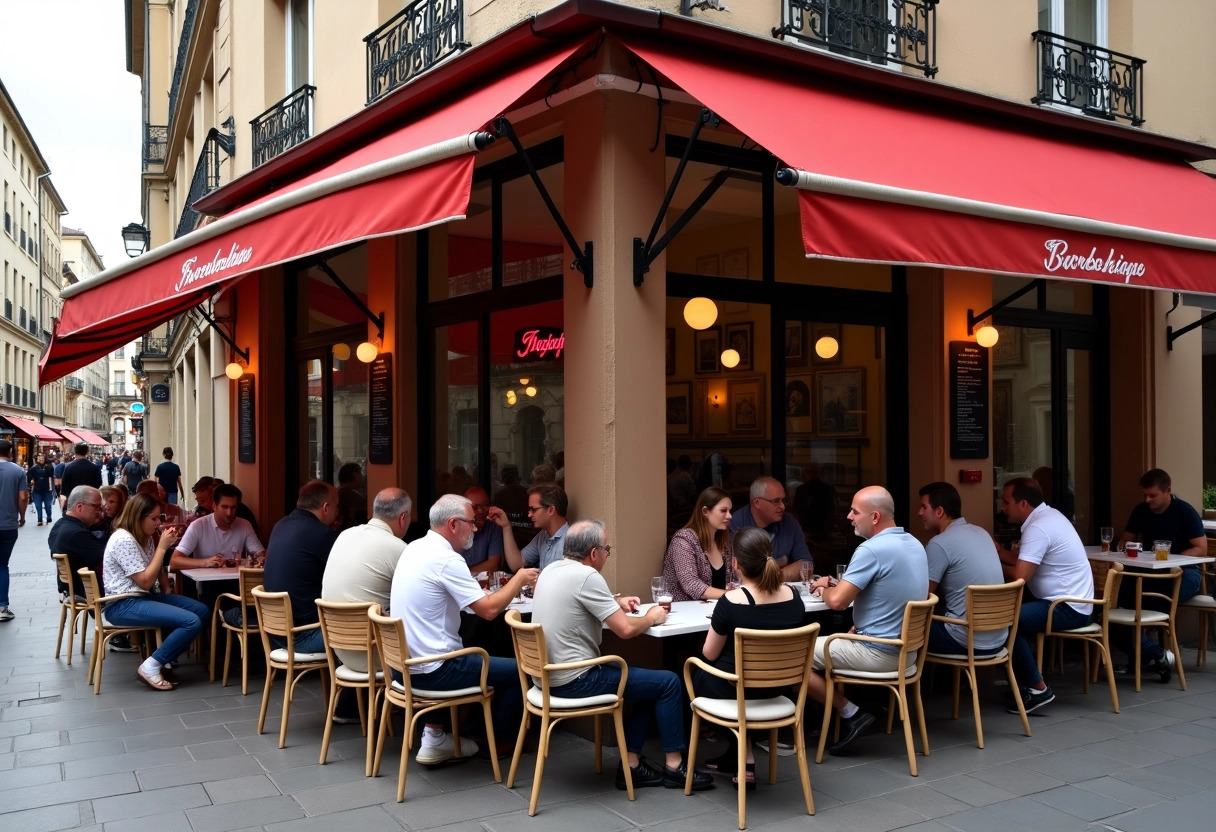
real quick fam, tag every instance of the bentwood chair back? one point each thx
(416, 702)
(532, 658)
(249, 578)
(776, 659)
(1162, 586)
(990, 608)
(70, 605)
(904, 683)
(1203, 605)
(103, 630)
(274, 619)
(1094, 636)
(345, 626)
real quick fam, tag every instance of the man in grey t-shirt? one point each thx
(14, 499)
(960, 555)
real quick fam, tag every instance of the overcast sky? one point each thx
(64, 64)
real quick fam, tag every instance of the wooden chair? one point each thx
(249, 578)
(395, 655)
(346, 626)
(532, 657)
(70, 606)
(989, 608)
(763, 659)
(903, 684)
(1096, 634)
(103, 630)
(1203, 604)
(274, 619)
(1138, 618)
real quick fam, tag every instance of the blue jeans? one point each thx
(465, 672)
(180, 619)
(171, 498)
(1032, 620)
(662, 687)
(8, 539)
(1122, 638)
(940, 641)
(309, 641)
(42, 502)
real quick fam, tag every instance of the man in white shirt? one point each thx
(1051, 559)
(431, 585)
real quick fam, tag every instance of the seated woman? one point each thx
(763, 602)
(132, 566)
(698, 563)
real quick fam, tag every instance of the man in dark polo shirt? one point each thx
(71, 535)
(296, 557)
(485, 555)
(80, 471)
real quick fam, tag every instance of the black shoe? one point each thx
(1032, 700)
(850, 729)
(642, 775)
(122, 644)
(1159, 666)
(674, 778)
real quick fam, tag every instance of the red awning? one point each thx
(417, 175)
(72, 436)
(898, 181)
(91, 438)
(34, 429)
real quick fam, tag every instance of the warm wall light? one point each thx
(530, 390)
(511, 398)
(827, 347)
(523, 381)
(730, 359)
(342, 351)
(367, 352)
(714, 400)
(234, 370)
(700, 313)
(987, 336)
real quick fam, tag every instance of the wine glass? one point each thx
(1108, 534)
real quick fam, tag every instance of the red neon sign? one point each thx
(539, 343)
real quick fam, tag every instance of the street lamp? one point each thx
(135, 239)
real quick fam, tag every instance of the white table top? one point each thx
(202, 574)
(1209, 525)
(1146, 559)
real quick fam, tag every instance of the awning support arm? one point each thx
(378, 320)
(244, 354)
(583, 255)
(644, 253)
(973, 319)
(1172, 335)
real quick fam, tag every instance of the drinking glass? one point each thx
(1161, 548)
(804, 571)
(1107, 535)
(658, 587)
(841, 568)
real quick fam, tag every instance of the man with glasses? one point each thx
(431, 585)
(71, 536)
(547, 506)
(766, 510)
(485, 555)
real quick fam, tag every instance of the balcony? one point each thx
(206, 173)
(183, 48)
(411, 42)
(1095, 81)
(73, 383)
(882, 32)
(283, 126)
(156, 142)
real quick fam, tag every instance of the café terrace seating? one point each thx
(70, 606)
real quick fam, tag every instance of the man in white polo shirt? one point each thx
(431, 585)
(1050, 558)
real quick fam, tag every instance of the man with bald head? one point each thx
(487, 552)
(886, 571)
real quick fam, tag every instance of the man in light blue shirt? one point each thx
(547, 506)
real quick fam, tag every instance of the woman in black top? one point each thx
(763, 602)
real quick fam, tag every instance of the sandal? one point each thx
(154, 680)
(727, 763)
(749, 777)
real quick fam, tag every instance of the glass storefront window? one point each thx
(457, 351)
(724, 237)
(324, 306)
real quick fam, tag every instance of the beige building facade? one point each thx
(88, 389)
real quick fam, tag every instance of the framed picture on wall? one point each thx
(734, 264)
(825, 331)
(745, 400)
(795, 344)
(840, 402)
(671, 351)
(798, 404)
(738, 337)
(1007, 352)
(708, 264)
(708, 350)
(679, 408)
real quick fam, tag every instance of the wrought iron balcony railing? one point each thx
(73, 383)
(183, 47)
(902, 32)
(1097, 81)
(284, 125)
(206, 174)
(411, 42)
(156, 141)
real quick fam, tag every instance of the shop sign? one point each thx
(544, 343)
(137, 408)
(380, 411)
(160, 394)
(246, 424)
(7, 432)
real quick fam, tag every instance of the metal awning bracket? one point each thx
(378, 320)
(1039, 285)
(243, 353)
(1172, 335)
(583, 255)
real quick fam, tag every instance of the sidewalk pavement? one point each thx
(135, 759)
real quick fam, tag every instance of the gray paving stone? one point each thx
(1016, 779)
(846, 786)
(247, 813)
(874, 815)
(927, 802)
(19, 778)
(15, 727)
(1083, 804)
(43, 819)
(304, 777)
(1129, 752)
(167, 822)
(95, 766)
(971, 791)
(1074, 765)
(146, 803)
(180, 737)
(61, 722)
(1122, 791)
(70, 791)
(585, 817)
(42, 739)
(236, 789)
(1035, 815)
(119, 730)
(367, 819)
(215, 750)
(198, 772)
(1193, 811)
(353, 795)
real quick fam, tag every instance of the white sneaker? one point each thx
(6, 614)
(444, 750)
(785, 747)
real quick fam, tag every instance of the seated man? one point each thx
(295, 560)
(202, 495)
(547, 506)
(487, 551)
(767, 511)
(210, 540)
(71, 535)
(242, 511)
(1161, 516)
(1051, 560)
(574, 603)
(885, 572)
(959, 556)
(431, 585)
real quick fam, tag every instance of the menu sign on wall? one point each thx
(380, 410)
(246, 425)
(968, 400)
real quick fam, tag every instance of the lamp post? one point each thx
(135, 239)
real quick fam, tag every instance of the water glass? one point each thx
(658, 586)
(1107, 535)
(841, 568)
(804, 571)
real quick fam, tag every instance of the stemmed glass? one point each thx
(1108, 534)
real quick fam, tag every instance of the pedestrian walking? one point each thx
(14, 498)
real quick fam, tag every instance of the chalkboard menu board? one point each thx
(968, 400)
(380, 391)
(246, 421)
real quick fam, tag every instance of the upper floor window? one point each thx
(299, 44)
(1083, 20)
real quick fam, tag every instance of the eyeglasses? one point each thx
(480, 506)
(463, 520)
(96, 506)
(607, 550)
(777, 501)
(534, 509)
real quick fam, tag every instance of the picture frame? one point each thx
(707, 350)
(840, 402)
(734, 264)
(799, 405)
(795, 344)
(679, 408)
(1007, 351)
(708, 264)
(671, 351)
(821, 330)
(745, 398)
(739, 337)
